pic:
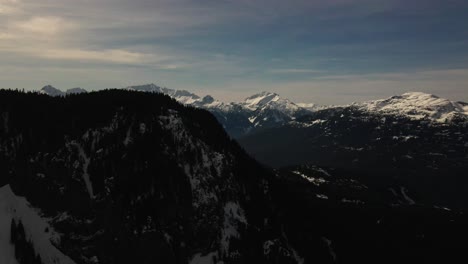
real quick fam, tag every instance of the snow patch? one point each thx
(328, 242)
(403, 191)
(315, 181)
(321, 196)
(86, 161)
(233, 217)
(18, 208)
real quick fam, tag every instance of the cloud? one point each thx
(49, 25)
(118, 56)
(5, 36)
(294, 70)
(344, 89)
(324, 49)
(45, 35)
(8, 7)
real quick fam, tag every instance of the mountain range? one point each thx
(137, 177)
(268, 110)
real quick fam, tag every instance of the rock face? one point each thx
(135, 178)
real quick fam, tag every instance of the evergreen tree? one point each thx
(13, 231)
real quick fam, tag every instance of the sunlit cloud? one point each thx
(44, 25)
(8, 6)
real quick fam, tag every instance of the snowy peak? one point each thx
(418, 105)
(76, 90)
(309, 106)
(182, 96)
(207, 99)
(258, 100)
(146, 88)
(267, 101)
(51, 91)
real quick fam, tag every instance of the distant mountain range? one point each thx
(268, 110)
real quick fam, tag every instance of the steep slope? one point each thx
(356, 223)
(14, 209)
(270, 110)
(136, 178)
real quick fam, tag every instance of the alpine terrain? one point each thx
(120, 176)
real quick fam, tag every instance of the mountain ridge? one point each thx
(268, 109)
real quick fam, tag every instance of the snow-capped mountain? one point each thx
(399, 141)
(52, 91)
(183, 96)
(309, 106)
(76, 90)
(417, 105)
(270, 110)
(267, 110)
(258, 111)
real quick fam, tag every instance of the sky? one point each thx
(324, 52)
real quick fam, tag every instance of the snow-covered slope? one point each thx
(309, 106)
(183, 96)
(76, 90)
(417, 105)
(269, 110)
(37, 230)
(261, 99)
(268, 100)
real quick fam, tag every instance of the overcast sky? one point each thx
(326, 52)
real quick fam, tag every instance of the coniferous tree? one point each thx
(13, 231)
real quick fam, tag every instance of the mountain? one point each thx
(256, 112)
(270, 110)
(417, 105)
(76, 90)
(357, 222)
(52, 91)
(267, 109)
(139, 178)
(130, 178)
(390, 149)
